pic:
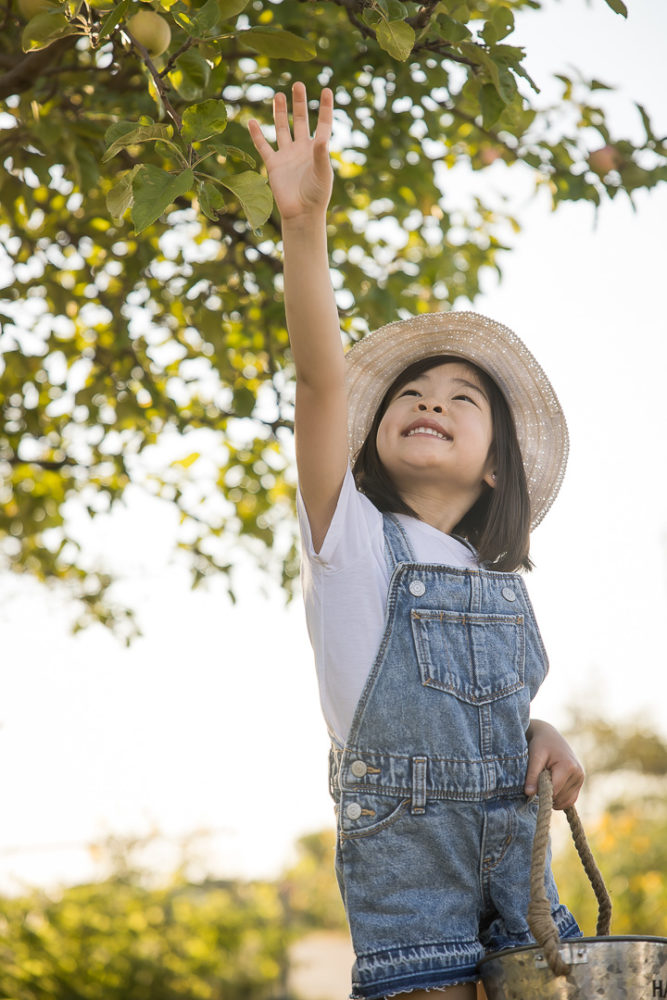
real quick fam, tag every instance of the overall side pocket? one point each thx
(366, 815)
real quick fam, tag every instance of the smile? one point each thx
(430, 431)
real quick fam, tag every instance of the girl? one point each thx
(425, 642)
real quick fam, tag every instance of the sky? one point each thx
(211, 721)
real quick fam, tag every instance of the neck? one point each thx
(443, 513)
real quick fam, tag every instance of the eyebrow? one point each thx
(471, 385)
(459, 381)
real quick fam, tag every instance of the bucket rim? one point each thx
(647, 938)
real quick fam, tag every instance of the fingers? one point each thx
(536, 764)
(300, 121)
(259, 142)
(300, 111)
(280, 118)
(567, 778)
(325, 116)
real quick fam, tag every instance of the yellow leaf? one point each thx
(189, 460)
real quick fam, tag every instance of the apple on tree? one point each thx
(604, 160)
(489, 154)
(149, 29)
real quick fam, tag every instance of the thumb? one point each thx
(536, 765)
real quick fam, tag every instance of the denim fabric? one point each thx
(434, 830)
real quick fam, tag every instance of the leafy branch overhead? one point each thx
(141, 311)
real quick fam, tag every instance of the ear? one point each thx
(490, 479)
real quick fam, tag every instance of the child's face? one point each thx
(437, 431)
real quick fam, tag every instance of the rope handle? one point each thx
(540, 921)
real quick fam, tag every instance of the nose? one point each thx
(436, 407)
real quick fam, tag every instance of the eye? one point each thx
(409, 392)
(468, 398)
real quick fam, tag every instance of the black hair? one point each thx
(498, 523)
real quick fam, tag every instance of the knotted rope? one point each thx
(540, 921)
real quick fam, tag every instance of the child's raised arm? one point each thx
(301, 177)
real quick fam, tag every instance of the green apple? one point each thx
(150, 30)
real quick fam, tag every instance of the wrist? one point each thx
(305, 222)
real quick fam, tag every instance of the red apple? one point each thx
(489, 154)
(603, 160)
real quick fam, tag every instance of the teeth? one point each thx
(426, 430)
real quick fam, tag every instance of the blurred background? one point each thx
(166, 804)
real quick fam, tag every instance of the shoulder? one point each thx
(356, 527)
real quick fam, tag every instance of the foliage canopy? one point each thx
(141, 303)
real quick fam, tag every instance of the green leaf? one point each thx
(503, 21)
(396, 11)
(491, 103)
(184, 21)
(371, 16)
(507, 85)
(201, 121)
(448, 28)
(211, 200)
(118, 129)
(234, 152)
(508, 55)
(499, 25)
(395, 37)
(230, 8)
(112, 19)
(191, 74)
(121, 195)
(154, 190)
(277, 44)
(618, 7)
(254, 194)
(495, 71)
(646, 122)
(142, 133)
(44, 29)
(207, 17)
(244, 401)
(520, 71)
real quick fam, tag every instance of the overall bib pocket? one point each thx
(478, 658)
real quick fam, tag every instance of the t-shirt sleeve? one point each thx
(355, 528)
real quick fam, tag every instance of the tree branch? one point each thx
(25, 73)
(49, 466)
(157, 80)
(423, 15)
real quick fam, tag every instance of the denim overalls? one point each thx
(434, 829)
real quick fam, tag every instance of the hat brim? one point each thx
(372, 364)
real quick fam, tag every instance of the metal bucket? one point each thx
(593, 968)
(609, 968)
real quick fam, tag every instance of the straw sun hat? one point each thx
(374, 362)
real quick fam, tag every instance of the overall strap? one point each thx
(397, 548)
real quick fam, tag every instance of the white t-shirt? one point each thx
(345, 588)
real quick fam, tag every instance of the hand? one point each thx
(547, 748)
(300, 172)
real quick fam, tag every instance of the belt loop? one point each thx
(334, 771)
(418, 804)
